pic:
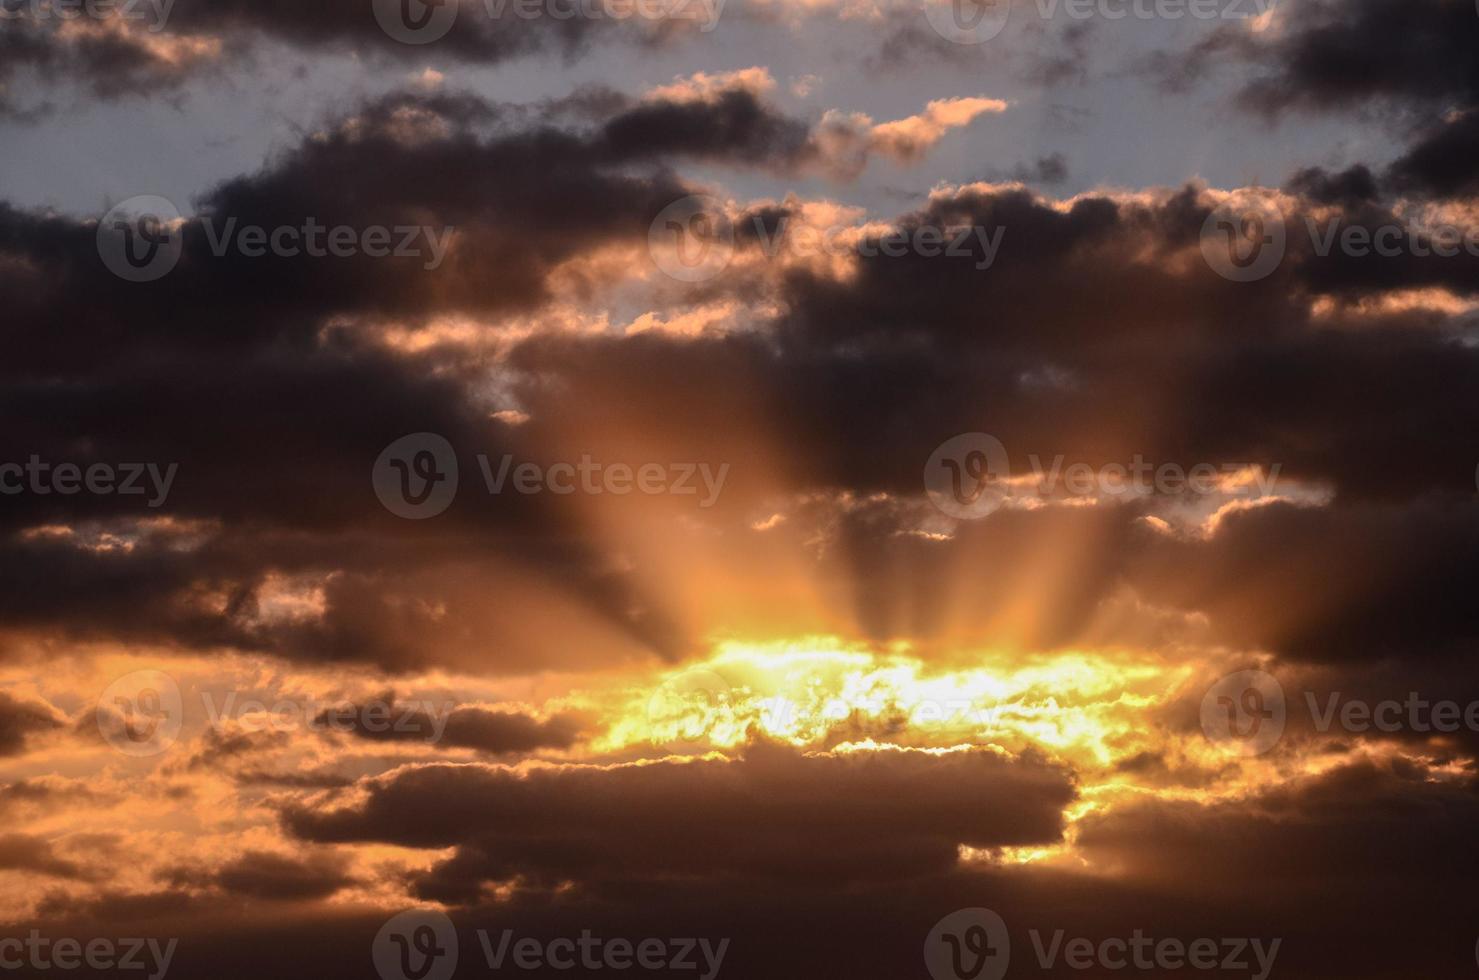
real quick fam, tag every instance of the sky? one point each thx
(762, 489)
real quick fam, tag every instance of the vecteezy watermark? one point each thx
(317, 241)
(1246, 237)
(153, 13)
(694, 239)
(416, 477)
(969, 944)
(689, 708)
(1413, 713)
(978, 21)
(38, 952)
(589, 952)
(42, 479)
(142, 239)
(962, 475)
(421, 944)
(142, 714)
(428, 21)
(418, 944)
(1247, 712)
(1242, 956)
(597, 477)
(969, 476)
(974, 944)
(700, 707)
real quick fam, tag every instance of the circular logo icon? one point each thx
(1244, 238)
(971, 944)
(416, 476)
(418, 944)
(140, 714)
(963, 475)
(1245, 712)
(416, 21)
(141, 239)
(968, 21)
(692, 239)
(686, 709)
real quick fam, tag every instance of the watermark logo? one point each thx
(318, 240)
(978, 21)
(37, 953)
(973, 944)
(969, 477)
(688, 708)
(140, 713)
(416, 476)
(1245, 712)
(593, 476)
(1244, 238)
(597, 953)
(426, 21)
(141, 239)
(154, 14)
(968, 21)
(969, 944)
(960, 474)
(36, 476)
(1412, 714)
(1232, 955)
(416, 21)
(692, 239)
(418, 944)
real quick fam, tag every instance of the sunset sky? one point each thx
(785, 472)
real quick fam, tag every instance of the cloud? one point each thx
(23, 852)
(728, 117)
(774, 813)
(845, 141)
(271, 877)
(495, 732)
(906, 140)
(1410, 62)
(19, 720)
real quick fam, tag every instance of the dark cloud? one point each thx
(734, 127)
(1048, 170)
(1306, 835)
(1349, 188)
(466, 727)
(1439, 162)
(1107, 302)
(1298, 863)
(1099, 333)
(42, 795)
(21, 719)
(850, 817)
(24, 852)
(271, 877)
(1376, 581)
(1412, 64)
(1332, 54)
(114, 56)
